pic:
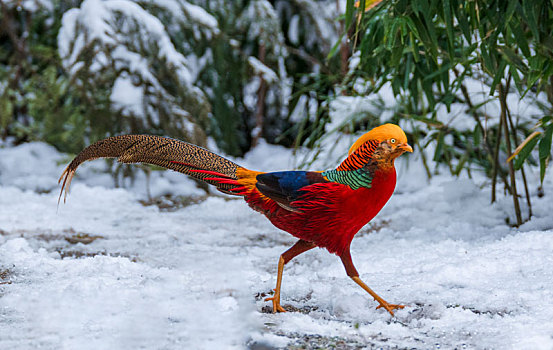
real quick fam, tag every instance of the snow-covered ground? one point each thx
(110, 270)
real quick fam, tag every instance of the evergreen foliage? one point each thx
(430, 51)
(229, 69)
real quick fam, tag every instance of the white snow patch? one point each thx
(260, 69)
(127, 96)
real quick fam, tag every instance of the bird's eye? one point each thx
(393, 140)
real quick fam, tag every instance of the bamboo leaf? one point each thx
(449, 27)
(407, 73)
(525, 152)
(397, 52)
(545, 150)
(511, 7)
(461, 163)
(546, 119)
(463, 22)
(516, 77)
(525, 147)
(439, 146)
(513, 58)
(498, 76)
(529, 7)
(414, 47)
(476, 136)
(335, 48)
(520, 38)
(349, 13)
(487, 61)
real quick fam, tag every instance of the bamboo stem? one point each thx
(423, 156)
(503, 102)
(495, 168)
(527, 192)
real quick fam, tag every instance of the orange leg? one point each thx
(301, 246)
(354, 275)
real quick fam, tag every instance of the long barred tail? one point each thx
(166, 152)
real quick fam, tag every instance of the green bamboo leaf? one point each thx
(414, 47)
(392, 36)
(476, 136)
(438, 72)
(529, 10)
(349, 13)
(513, 58)
(412, 27)
(397, 53)
(361, 9)
(463, 22)
(532, 78)
(431, 32)
(421, 30)
(525, 152)
(396, 86)
(487, 61)
(547, 43)
(500, 73)
(461, 163)
(545, 151)
(543, 165)
(439, 147)
(519, 83)
(335, 47)
(427, 88)
(449, 27)
(546, 119)
(407, 74)
(511, 7)
(520, 37)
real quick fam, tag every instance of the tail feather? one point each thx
(166, 152)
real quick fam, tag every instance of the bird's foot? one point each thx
(389, 307)
(276, 303)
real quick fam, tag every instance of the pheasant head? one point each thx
(377, 148)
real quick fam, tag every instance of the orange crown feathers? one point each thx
(380, 133)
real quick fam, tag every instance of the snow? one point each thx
(201, 16)
(195, 276)
(114, 28)
(126, 95)
(293, 32)
(260, 69)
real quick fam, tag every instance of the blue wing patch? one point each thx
(284, 187)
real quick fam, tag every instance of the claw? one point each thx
(390, 307)
(276, 303)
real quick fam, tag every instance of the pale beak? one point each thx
(405, 147)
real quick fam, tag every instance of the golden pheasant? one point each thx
(321, 208)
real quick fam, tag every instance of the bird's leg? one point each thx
(301, 246)
(354, 275)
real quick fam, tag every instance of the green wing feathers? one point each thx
(162, 151)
